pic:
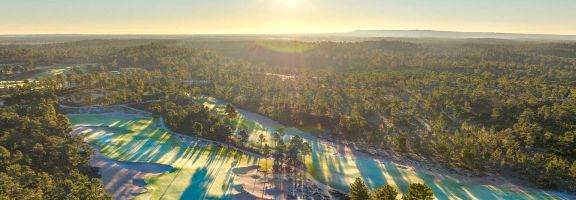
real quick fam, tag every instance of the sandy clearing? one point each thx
(125, 180)
(254, 183)
(275, 186)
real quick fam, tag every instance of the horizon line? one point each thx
(295, 33)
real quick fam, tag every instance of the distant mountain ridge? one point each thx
(455, 34)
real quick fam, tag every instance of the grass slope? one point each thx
(201, 172)
(338, 165)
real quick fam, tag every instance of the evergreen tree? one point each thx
(243, 136)
(230, 111)
(261, 139)
(419, 191)
(197, 128)
(385, 192)
(359, 190)
(573, 169)
(266, 152)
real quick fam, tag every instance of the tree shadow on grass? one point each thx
(198, 185)
(371, 172)
(396, 175)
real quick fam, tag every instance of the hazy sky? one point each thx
(283, 16)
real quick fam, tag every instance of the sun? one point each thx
(288, 3)
(291, 4)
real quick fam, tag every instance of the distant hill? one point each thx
(453, 34)
(358, 35)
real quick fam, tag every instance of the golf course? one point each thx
(203, 170)
(288, 100)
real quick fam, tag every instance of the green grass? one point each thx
(206, 172)
(201, 172)
(331, 165)
(59, 69)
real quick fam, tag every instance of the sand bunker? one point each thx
(254, 183)
(202, 171)
(125, 180)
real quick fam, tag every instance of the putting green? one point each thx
(201, 172)
(338, 166)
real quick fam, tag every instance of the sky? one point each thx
(283, 16)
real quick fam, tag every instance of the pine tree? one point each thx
(385, 192)
(243, 136)
(230, 111)
(573, 170)
(419, 191)
(359, 191)
(197, 128)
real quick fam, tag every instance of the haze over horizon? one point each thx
(288, 99)
(284, 16)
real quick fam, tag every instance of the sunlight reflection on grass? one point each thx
(203, 171)
(335, 166)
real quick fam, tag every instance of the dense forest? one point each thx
(38, 157)
(479, 105)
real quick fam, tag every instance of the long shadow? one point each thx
(198, 184)
(151, 143)
(336, 171)
(198, 154)
(229, 180)
(397, 177)
(479, 192)
(202, 181)
(190, 152)
(219, 164)
(440, 191)
(504, 193)
(341, 150)
(315, 169)
(203, 172)
(371, 172)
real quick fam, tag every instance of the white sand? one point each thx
(125, 180)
